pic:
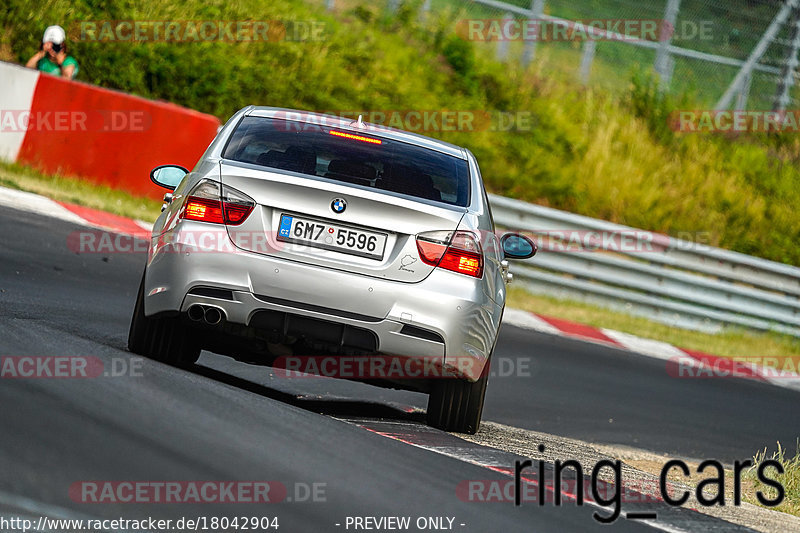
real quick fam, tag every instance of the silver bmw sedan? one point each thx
(313, 243)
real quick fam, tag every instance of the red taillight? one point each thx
(203, 210)
(236, 213)
(430, 252)
(204, 205)
(458, 253)
(464, 262)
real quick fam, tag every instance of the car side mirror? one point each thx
(168, 176)
(516, 246)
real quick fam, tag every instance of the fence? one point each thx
(682, 283)
(697, 29)
(724, 53)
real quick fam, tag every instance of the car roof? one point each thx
(377, 130)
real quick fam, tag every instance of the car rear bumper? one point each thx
(251, 288)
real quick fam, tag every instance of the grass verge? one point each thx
(78, 191)
(790, 479)
(750, 487)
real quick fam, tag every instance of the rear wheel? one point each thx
(457, 404)
(163, 339)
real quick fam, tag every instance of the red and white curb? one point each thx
(77, 214)
(681, 363)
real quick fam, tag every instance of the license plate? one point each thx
(329, 236)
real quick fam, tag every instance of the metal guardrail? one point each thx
(675, 281)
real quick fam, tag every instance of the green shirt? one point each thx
(51, 67)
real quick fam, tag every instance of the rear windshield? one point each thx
(352, 157)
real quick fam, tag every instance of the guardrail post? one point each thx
(663, 64)
(502, 43)
(587, 58)
(529, 52)
(425, 9)
(782, 97)
(744, 93)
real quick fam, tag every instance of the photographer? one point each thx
(52, 55)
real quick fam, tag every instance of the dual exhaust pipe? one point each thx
(210, 315)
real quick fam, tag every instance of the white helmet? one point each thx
(54, 34)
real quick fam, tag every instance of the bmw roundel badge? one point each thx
(338, 205)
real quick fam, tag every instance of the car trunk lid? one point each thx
(373, 234)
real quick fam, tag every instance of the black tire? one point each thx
(457, 404)
(162, 339)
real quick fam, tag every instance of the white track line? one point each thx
(652, 348)
(35, 203)
(526, 320)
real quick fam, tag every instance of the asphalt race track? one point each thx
(601, 394)
(231, 421)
